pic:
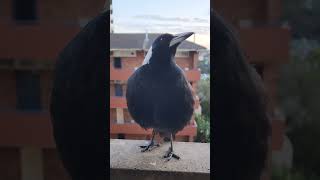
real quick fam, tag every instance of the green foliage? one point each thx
(287, 175)
(203, 90)
(203, 129)
(204, 65)
(303, 16)
(204, 95)
(306, 147)
(284, 174)
(299, 89)
(299, 97)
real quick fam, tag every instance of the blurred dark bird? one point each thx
(241, 125)
(158, 93)
(78, 102)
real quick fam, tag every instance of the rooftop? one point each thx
(135, 41)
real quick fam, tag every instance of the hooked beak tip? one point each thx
(178, 38)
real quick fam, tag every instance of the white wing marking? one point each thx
(148, 56)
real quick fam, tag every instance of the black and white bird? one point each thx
(158, 93)
(241, 122)
(78, 102)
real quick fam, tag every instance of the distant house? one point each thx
(126, 54)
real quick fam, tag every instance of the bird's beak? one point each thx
(178, 38)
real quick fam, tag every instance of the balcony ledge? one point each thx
(127, 162)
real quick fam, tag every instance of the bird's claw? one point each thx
(149, 147)
(170, 155)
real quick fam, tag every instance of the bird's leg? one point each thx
(151, 145)
(169, 154)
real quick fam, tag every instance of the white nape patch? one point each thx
(148, 56)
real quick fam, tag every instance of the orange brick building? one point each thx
(126, 54)
(266, 43)
(32, 33)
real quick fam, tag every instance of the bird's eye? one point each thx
(160, 39)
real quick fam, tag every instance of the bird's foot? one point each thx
(149, 147)
(169, 154)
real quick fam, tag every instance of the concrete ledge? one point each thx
(127, 161)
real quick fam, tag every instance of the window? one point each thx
(28, 90)
(118, 90)
(24, 10)
(124, 53)
(182, 54)
(117, 62)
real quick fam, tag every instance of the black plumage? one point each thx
(158, 93)
(78, 102)
(241, 123)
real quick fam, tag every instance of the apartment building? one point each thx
(127, 51)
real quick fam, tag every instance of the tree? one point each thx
(203, 120)
(204, 64)
(299, 99)
(302, 15)
(204, 95)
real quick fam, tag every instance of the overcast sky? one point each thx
(165, 16)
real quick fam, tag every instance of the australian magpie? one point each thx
(241, 123)
(78, 102)
(158, 93)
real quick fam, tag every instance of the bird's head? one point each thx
(165, 46)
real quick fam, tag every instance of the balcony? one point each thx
(121, 102)
(124, 74)
(127, 162)
(134, 129)
(266, 44)
(43, 41)
(118, 102)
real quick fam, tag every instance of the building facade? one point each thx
(127, 52)
(266, 43)
(32, 33)
(111, 18)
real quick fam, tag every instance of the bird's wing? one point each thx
(138, 97)
(187, 83)
(174, 105)
(239, 110)
(148, 56)
(193, 92)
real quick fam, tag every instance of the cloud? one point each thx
(174, 19)
(200, 20)
(161, 27)
(160, 18)
(173, 26)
